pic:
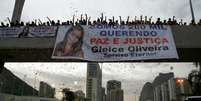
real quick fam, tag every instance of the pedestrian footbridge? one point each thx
(187, 40)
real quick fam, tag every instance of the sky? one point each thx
(73, 75)
(65, 9)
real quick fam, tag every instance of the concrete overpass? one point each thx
(187, 39)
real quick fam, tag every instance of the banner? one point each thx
(114, 43)
(7, 32)
(42, 31)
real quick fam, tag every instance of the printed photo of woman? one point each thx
(71, 45)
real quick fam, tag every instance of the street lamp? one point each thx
(180, 82)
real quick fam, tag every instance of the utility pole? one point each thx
(192, 12)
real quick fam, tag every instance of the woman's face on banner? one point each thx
(74, 36)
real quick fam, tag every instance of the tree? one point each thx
(68, 95)
(194, 79)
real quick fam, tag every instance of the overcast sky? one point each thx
(64, 9)
(73, 75)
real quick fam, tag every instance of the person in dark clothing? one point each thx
(22, 24)
(12, 24)
(169, 21)
(164, 22)
(2, 24)
(17, 23)
(53, 23)
(192, 22)
(158, 22)
(48, 23)
(68, 22)
(110, 22)
(58, 23)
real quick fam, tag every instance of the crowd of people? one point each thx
(102, 20)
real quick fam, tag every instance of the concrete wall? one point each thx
(6, 97)
(184, 36)
(187, 36)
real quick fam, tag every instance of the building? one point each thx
(46, 90)
(114, 91)
(113, 84)
(166, 88)
(13, 85)
(103, 95)
(94, 82)
(147, 93)
(115, 95)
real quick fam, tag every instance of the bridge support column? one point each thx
(17, 12)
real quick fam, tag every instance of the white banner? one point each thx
(42, 31)
(115, 43)
(11, 32)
